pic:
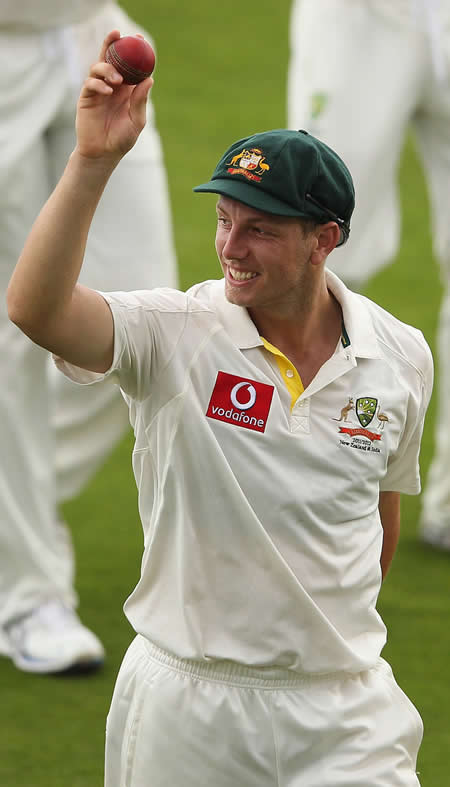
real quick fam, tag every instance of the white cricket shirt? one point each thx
(45, 14)
(261, 527)
(412, 12)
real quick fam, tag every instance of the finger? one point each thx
(112, 36)
(107, 72)
(93, 86)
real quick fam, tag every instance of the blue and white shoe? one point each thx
(52, 639)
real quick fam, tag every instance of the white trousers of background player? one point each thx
(368, 82)
(54, 434)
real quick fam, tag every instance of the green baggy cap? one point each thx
(287, 173)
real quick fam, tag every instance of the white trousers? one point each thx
(186, 724)
(54, 434)
(359, 81)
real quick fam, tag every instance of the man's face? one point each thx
(264, 257)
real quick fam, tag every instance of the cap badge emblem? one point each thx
(250, 163)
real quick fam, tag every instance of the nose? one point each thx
(235, 246)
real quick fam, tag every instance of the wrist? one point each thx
(94, 170)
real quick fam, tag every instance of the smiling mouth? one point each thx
(241, 275)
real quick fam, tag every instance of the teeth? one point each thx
(241, 275)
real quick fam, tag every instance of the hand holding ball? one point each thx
(132, 57)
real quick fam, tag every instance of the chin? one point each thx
(231, 298)
(236, 296)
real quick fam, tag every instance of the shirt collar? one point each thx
(357, 319)
(239, 326)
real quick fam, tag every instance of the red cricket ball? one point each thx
(133, 57)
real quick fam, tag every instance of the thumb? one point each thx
(138, 102)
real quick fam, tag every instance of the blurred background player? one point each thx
(381, 68)
(55, 435)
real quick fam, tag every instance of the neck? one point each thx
(313, 321)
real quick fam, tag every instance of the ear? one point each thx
(327, 238)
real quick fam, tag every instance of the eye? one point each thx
(265, 232)
(223, 222)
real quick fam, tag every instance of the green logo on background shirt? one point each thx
(318, 104)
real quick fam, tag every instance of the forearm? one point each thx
(389, 508)
(44, 279)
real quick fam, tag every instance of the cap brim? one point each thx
(249, 195)
(254, 198)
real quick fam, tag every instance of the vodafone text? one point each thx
(240, 401)
(234, 415)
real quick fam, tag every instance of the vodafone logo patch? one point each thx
(241, 402)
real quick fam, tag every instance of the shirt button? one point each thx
(289, 373)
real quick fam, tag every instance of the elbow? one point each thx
(13, 307)
(16, 310)
(23, 315)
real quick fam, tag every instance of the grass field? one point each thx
(221, 75)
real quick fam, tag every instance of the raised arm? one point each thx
(43, 297)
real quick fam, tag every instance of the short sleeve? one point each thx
(147, 327)
(403, 472)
